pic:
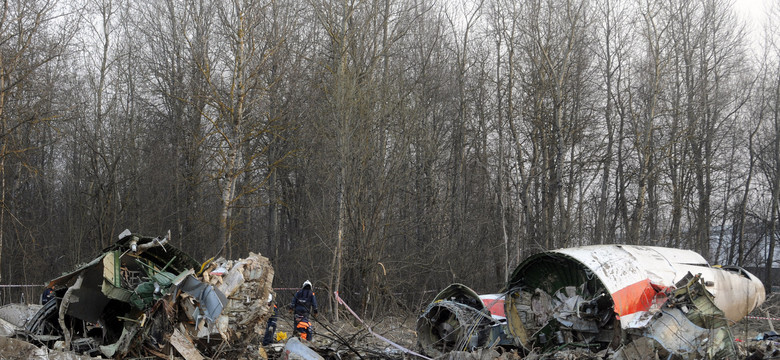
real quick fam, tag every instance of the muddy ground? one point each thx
(349, 339)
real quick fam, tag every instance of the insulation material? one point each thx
(246, 283)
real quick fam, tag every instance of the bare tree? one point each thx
(768, 144)
(613, 36)
(235, 106)
(362, 110)
(31, 42)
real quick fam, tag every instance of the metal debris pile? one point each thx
(616, 302)
(143, 297)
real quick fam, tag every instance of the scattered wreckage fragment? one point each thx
(11, 348)
(635, 299)
(687, 325)
(459, 319)
(294, 349)
(14, 316)
(143, 297)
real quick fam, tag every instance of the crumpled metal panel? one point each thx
(111, 303)
(688, 326)
(677, 334)
(211, 301)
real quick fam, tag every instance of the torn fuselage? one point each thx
(620, 296)
(605, 295)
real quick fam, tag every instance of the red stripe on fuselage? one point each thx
(636, 297)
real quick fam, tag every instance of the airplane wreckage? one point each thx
(634, 302)
(142, 297)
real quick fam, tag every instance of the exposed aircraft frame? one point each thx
(622, 297)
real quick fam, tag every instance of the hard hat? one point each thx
(270, 298)
(306, 283)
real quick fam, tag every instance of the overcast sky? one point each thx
(753, 12)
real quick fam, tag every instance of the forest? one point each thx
(386, 148)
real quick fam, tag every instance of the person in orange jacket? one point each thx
(304, 302)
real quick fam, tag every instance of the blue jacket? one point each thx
(304, 302)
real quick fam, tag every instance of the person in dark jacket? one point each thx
(270, 327)
(304, 302)
(47, 295)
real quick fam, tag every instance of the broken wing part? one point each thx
(678, 335)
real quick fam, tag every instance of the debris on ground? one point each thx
(605, 301)
(15, 316)
(458, 319)
(143, 297)
(11, 348)
(295, 350)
